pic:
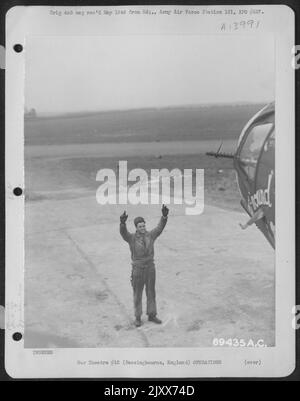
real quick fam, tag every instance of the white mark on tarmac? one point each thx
(170, 320)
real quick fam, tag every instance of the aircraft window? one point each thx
(252, 147)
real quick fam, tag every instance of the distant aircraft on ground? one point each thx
(254, 162)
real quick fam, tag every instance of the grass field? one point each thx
(46, 174)
(168, 124)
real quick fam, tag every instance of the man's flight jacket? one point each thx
(142, 245)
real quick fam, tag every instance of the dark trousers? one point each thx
(143, 277)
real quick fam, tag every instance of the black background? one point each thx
(102, 383)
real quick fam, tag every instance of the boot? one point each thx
(138, 322)
(154, 319)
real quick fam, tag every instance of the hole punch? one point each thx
(17, 336)
(18, 48)
(17, 191)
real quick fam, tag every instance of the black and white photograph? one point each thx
(151, 103)
(150, 184)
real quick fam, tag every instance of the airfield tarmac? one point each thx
(213, 279)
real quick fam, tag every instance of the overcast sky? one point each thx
(123, 72)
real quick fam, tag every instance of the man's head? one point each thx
(140, 225)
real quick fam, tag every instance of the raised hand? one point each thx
(165, 211)
(123, 217)
(243, 226)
